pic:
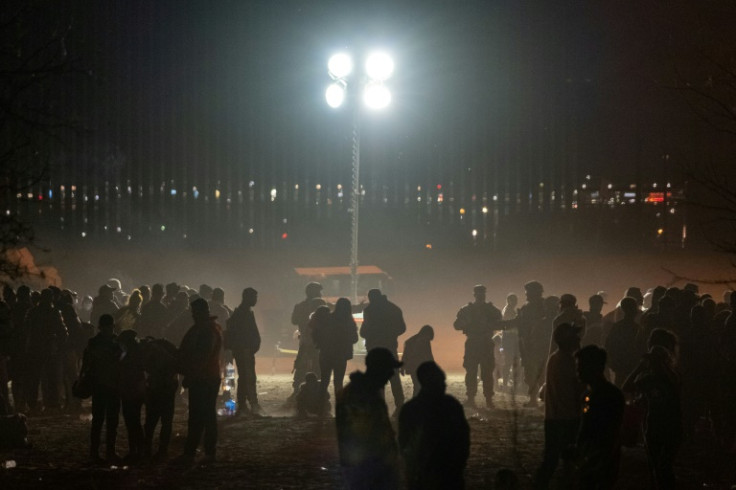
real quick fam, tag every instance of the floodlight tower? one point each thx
(370, 83)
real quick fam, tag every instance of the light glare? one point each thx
(379, 66)
(376, 96)
(335, 95)
(340, 65)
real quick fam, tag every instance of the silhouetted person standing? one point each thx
(307, 357)
(365, 438)
(657, 380)
(562, 405)
(334, 340)
(160, 361)
(19, 364)
(244, 340)
(103, 304)
(100, 362)
(132, 392)
(599, 441)
(594, 321)
(510, 344)
(417, 351)
(434, 436)
(532, 347)
(478, 320)
(154, 314)
(199, 362)
(621, 344)
(383, 322)
(47, 337)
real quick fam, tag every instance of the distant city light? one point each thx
(284, 236)
(163, 227)
(173, 192)
(428, 246)
(462, 211)
(660, 231)
(217, 193)
(318, 186)
(485, 210)
(474, 233)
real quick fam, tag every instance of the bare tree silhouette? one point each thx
(34, 122)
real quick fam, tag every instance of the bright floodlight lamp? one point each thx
(340, 65)
(379, 66)
(335, 94)
(376, 96)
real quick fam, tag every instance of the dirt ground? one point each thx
(281, 451)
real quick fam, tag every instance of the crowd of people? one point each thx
(668, 355)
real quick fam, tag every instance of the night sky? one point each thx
(221, 83)
(489, 97)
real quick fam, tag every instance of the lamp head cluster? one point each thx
(378, 68)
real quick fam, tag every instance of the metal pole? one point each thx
(356, 210)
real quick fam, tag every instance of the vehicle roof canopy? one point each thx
(363, 270)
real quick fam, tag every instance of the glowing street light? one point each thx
(378, 68)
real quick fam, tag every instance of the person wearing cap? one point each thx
(383, 322)
(120, 296)
(529, 322)
(434, 436)
(569, 313)
(307, 357)
(199, 363)
(244, 340)
(100, 362)
(562, 404)
(103, 304)
(478, 320)
(365, 438)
